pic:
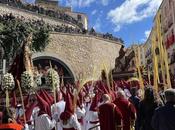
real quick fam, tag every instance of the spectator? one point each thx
(135, 100)
(164, 117)
(57, 28)
(146, 109)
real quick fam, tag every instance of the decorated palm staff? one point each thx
(111, 81)
(53, 81)
(105, 73)
(138, 65)
(8, 84)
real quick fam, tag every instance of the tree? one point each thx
(13, 31)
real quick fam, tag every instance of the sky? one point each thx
(131, 20)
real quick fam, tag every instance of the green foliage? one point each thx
(14, 31)
(40, 39)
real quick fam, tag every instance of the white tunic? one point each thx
(92, 116)
(80, 115)
(58, 109)
(86, 118)
(71, 123)
(43, 122)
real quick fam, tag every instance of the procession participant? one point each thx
(127, 109)
(1, 114)
(110, 116)
(80, 110)
(43, 121)
(87, 100)
(103, 83)
(46, 97)
(58, 108)
(19, 113)
(8, 121)
(68, 118)
(29, 111)
(50, 97)
(92, 114)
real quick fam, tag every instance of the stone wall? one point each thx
(82, 53)
(28, 15)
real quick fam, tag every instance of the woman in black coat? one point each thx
(146, 109)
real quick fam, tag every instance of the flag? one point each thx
(17, 67)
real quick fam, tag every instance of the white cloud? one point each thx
(94, 12)
(131, 11)
(97, 25)
(79, 3)
(85, 3)
(104, 2)
(147, 33)
(117, 28)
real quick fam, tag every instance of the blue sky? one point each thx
(131, 20)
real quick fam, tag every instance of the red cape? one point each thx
(128, 112)
(109, 116)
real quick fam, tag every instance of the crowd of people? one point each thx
(95, 106)
(41, 10)
(60, 28)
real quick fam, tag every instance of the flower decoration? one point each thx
(8, 82)
(38, 80)
(27, 81)
(52, 78)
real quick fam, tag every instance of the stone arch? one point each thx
(54, 57)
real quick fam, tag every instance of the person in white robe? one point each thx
(80, 112)
(68, 118)
(71, 123)
(44, 121)
(92, 115)
(58, 108)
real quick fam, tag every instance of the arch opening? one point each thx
(42, 63)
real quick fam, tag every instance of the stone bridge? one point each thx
(77, 53)
(81, 53)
